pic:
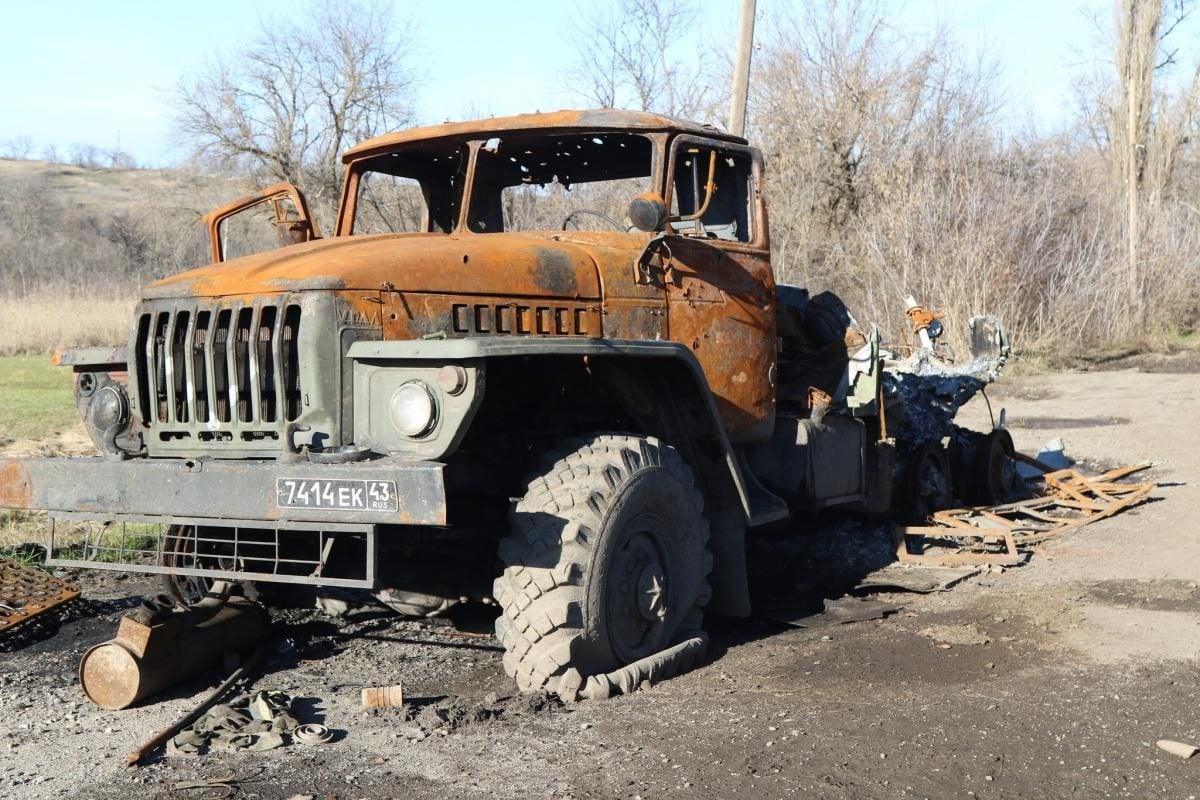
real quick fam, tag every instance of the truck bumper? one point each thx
(380, 492)
(272, 521)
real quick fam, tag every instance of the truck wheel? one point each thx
(928, 488)
(179, 550)
(995, 469)
(607, 561)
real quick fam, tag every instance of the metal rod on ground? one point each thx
(741, 70)
(1033, 462)
(163, 736)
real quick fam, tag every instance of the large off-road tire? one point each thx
(606, 563)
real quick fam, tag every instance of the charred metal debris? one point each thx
(27, 592)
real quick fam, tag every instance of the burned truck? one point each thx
(542, 362)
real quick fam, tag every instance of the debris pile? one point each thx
(262, 721)
(1002, 535)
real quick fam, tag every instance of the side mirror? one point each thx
(648, 212)
(293, 231)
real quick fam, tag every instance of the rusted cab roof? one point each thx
(599, 119)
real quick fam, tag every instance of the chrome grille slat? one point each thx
(189, 391)
(153, 412)
(277, 357)
(211, 387)
(169, 365)
(255, 410)
(221, 365)
(231, 376)
(201, 369)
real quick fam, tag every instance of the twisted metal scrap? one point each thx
(26, 592)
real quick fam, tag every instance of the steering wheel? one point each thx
(581, 211)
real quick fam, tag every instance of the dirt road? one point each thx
(1051, 680)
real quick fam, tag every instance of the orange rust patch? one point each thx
(16, 487)
(528, 265)
(598, 120)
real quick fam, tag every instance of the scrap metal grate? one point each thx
(26, 592)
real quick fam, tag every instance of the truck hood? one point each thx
(508, 264)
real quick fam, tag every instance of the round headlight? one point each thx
(109, 408)
(413, 410)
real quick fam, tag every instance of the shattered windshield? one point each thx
(415, 190)
(543, 182)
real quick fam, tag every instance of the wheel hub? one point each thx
(639, 597)
(652, 592)
(934, 484)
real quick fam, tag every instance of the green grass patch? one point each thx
(137, 540)
(19, 527)
(30, 555)
(36, 398)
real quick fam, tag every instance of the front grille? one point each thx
(219, 369)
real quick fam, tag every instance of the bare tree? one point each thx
(85, 155)
(1142, 122)
(120, 159)
(646, 55)
(291, 101)
(850, 110)
(18, 147)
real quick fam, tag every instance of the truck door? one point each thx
(720, 288)
(274, 217)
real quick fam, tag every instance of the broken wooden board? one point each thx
(1002, 535)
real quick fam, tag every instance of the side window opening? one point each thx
(724, 213)
(276, 216)
(264, 226)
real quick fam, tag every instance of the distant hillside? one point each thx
(76, 245)
(100, 191)
(66, 229)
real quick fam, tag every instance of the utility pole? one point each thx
(1131, 133)
(741, 70)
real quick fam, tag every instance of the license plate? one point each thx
(336, 494)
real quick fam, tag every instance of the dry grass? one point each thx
(22, 527)
(111, 191)
(45, 323)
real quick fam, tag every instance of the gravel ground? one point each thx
(1051, 680)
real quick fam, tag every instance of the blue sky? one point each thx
(98, 72)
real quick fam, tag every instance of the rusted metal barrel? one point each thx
(145, 659)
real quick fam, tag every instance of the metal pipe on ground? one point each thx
(143, 660)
